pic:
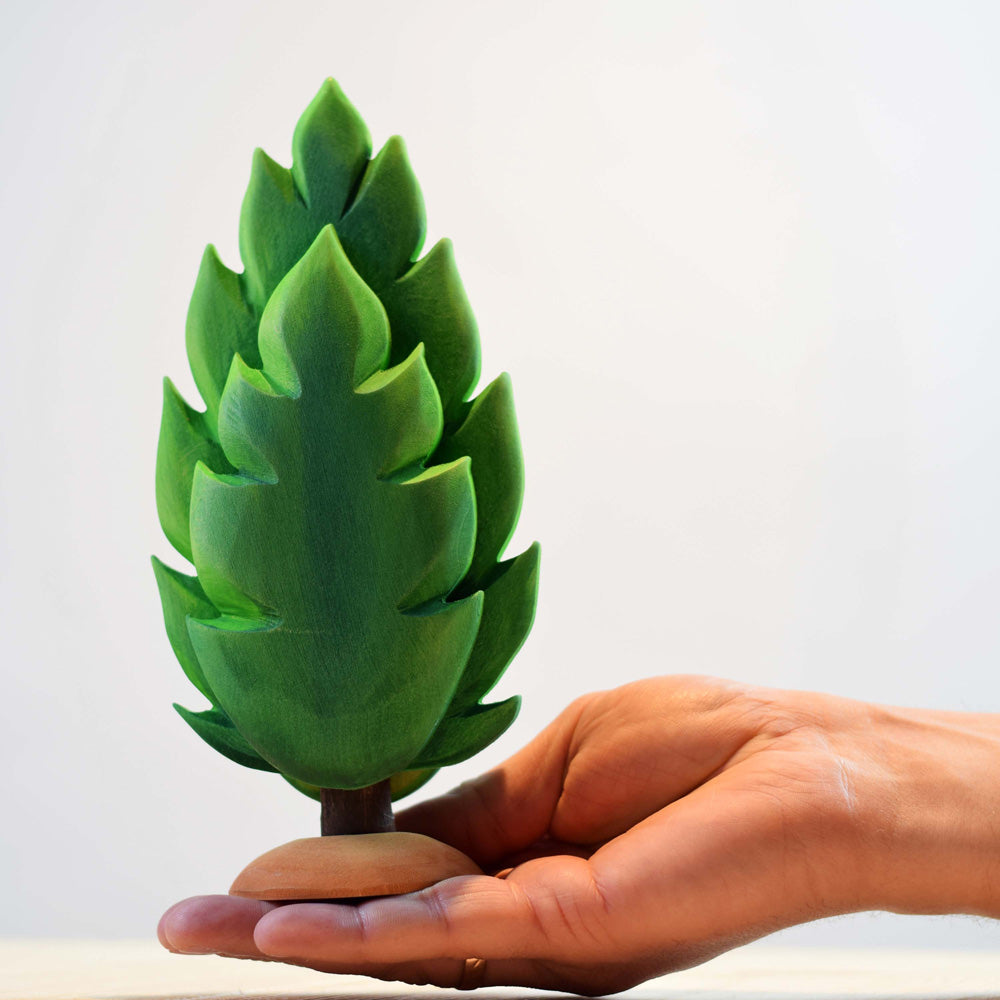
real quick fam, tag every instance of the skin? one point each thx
(653, 827)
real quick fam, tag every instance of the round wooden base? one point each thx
(349, 866)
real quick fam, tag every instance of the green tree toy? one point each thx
(345, 504)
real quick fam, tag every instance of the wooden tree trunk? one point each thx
(361, 810)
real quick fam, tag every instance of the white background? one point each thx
(739, 259)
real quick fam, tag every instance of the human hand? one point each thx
(654, 826)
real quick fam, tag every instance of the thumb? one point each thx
(506, 809)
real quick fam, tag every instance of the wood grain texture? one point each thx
(364, 810)
(346, 867)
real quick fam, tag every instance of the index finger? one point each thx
(523, 917)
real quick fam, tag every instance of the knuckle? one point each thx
(438, 905)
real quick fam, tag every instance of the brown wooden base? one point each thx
(351, 866)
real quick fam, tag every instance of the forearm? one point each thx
(929, 783)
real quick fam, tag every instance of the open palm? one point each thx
(646, 829)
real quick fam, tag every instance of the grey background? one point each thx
(739, 259)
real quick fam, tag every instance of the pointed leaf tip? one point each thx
(218, 731)
(428, 305)
(489, 435)
(184, 440)
(458, 738)
(510, 598)
(384, 228)
(220, 323)
(330, 150)
(182, 597)
(347, 320)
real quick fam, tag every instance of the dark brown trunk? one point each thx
(361, 810)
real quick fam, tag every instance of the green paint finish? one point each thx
(182, 597)
(507, 619)
(184, 441)
(218, 731)
(488, 433)
(219, 326)
(402, 783)
(459, 737)
(427, 305)
(344, 503)
(328, 535)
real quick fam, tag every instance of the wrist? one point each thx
(929, 790)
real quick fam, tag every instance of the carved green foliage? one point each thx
(220, 472)
(331, 550)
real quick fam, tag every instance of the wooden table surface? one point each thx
(101, 970)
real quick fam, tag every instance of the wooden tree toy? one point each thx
(345, 505)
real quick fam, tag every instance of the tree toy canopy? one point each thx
(345, 504)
